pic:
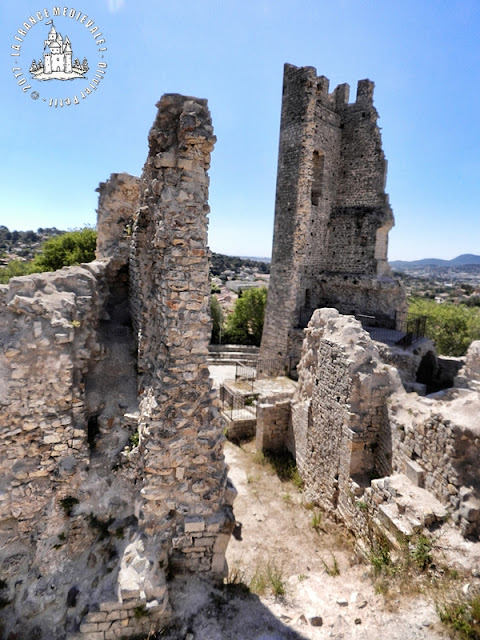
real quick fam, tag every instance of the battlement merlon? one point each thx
(338, 98)
(365, 93)
(340, 95)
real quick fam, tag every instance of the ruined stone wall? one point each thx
(332, 215)
(469, 376)
(55, 492)
(323, 165)
(49, 340)
(273, 423)
(112, 473)
(352, 294)
(441, 436)
(239, 429)
(338, 413)
(352, 420)
(184, 474)
(117, 204)
(69, 497)
(294, 177)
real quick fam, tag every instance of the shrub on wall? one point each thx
(65, 250)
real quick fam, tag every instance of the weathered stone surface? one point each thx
(339, 410)
(469, 375)
(117, 204)
(352, 419)
(414, 473)
(110, 440)
(332, 215)
(169, 257)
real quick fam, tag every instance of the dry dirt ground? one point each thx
(276, 548)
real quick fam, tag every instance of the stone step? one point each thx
(223, 348)
(407, 508)
(232, 358)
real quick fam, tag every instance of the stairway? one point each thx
(232, 353)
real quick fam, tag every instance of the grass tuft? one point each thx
(276, 579)
(316, 520)
(462, 615)
(334, 569)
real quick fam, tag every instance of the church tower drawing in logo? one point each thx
(57, 63)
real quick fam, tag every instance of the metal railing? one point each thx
(402, 333)
(246, 372)
(272, 367)
(237, 406)
(382, 329)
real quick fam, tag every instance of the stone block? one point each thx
(116, 615)
(97, 616)
(221, 543)
(415, 473)
(218, 563)
(194, 523)
(109, 606)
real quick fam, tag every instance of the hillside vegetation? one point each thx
(452, 326)
(73, 247)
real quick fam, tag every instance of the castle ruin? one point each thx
(112, 470)
(332, 216)
(112, 476)
(369, 447)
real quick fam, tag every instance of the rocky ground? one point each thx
(293, 581)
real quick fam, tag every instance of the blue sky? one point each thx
(423, 55)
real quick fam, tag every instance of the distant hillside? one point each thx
(256, 258)
(222, 263)
(464, 259)
(24, 244)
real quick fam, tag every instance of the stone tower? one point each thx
(332, 216)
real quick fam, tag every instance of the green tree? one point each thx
(217, 320)
(245, 324)
(473, 301)
(15, 268)
(70, 248)
(60, 251)
(451, 326)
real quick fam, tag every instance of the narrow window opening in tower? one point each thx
(317, 182)
(308, 298)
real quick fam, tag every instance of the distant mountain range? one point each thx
(464, 259)
(256, 258)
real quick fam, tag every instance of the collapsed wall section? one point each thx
(352, 422)
(117, 205)
(68, 497)
(435, 441)
(338, 412)
(48, 341)
(469, 376)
